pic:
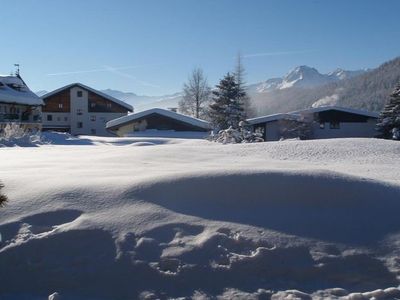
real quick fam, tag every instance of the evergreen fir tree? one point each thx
(3, 198)
(226, 110)
(389, 119)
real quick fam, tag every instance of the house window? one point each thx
(79, 125)
(58, 119)
(50, 118)
(93, 118)
(334, 125)
(60, 106)
(108, 104)
(92, 104)
(65, 119)
(79, 94)
(322, 125)
(93, 131)
(79, 111)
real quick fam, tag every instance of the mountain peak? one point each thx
(302, 76)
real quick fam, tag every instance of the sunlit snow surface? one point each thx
(159, 218)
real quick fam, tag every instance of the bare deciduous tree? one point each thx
(196, 94)
(244, 97)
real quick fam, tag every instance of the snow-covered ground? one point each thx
(158, 218)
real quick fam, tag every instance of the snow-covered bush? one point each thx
(15, 135)
(396, 133)
(3, 198)
(234, 136)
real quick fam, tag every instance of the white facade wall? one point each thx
(79, 111)
(99, 125)
(59, 119)
(92, 123)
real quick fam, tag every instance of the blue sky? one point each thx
(150, 46)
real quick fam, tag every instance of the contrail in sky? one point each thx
(115, 70)
(123, 74)
(104, 69)
(277, 53)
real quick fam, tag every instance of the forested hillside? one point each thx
(368, 91)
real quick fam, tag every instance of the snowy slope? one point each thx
(124, 218)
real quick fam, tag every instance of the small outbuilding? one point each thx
(317, 123)
(156, 120)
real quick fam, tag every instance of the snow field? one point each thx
(104, 218)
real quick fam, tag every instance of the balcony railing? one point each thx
(18, 118)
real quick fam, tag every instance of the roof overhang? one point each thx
(85, 87)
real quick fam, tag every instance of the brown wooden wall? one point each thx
(101, 105)
(51, 103)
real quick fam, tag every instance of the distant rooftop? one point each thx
(160, 111)
(13, 90)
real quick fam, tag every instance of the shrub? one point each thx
(234, 136)
(15, 135)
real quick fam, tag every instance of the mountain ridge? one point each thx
(302, 87)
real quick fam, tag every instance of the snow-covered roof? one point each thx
(339, 108)
(296, 115)
(115, 100)
(167, 113)
(14, 90)
(271, 118)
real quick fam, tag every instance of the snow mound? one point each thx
(242, 230)
(339, 208)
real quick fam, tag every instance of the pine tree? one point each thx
(227, 109)
(3, 198)
(196, 94)
(242, 94)
(389, 119)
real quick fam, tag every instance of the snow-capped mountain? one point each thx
(303, 77)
